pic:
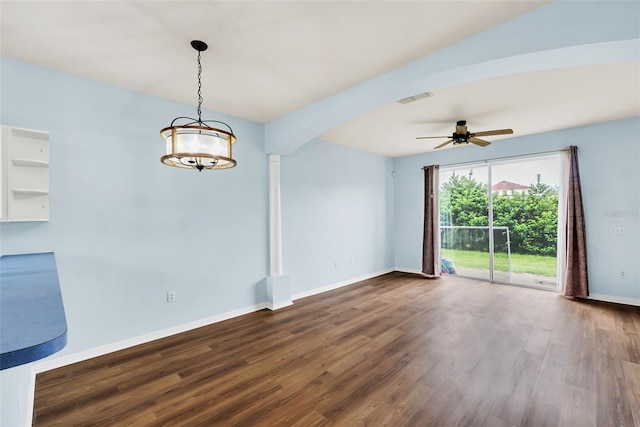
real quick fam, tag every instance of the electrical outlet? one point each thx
(171, 296)
(335, 264)
(353, 261)
(623, 274)
(617, 230)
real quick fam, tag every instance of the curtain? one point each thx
(431, 237)
(576, 281)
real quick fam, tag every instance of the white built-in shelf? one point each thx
(24, 174)
(29, 162)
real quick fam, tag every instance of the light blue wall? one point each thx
(126, 229)
(337, 207)
(609, 157)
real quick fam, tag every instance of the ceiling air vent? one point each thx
(415, 98)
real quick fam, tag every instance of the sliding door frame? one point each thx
(562, 209)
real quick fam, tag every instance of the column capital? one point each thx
(274, 158)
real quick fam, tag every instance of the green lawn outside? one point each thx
(534, 264)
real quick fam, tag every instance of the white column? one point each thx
(275, 217)
(278, 285)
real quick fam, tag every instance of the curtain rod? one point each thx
(501, 158)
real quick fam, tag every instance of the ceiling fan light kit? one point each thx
(196, 144)
(463, 136)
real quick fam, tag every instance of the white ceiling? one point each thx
(528, 103)
(267, 59)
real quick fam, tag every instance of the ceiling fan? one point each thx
(463, 136)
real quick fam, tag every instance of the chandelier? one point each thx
(196, 143)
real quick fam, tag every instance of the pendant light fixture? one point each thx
(195, 144)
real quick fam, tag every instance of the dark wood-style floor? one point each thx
(397, 350)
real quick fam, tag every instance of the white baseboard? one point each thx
(279, 305)
(341, 284)
(618, 300)
(47, 365)
(54, 363)
(57, 362)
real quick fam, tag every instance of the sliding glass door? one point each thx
(499, 220)
(464, 222)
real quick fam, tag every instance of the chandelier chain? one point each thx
(199, 89)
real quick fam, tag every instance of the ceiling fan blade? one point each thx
(443, 144)
(430, 137)
(494, 132)
(478, 141)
